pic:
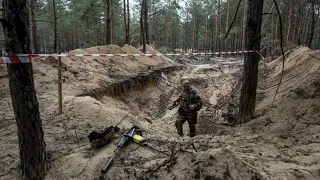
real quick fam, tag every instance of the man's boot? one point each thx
(192, 128)
(178, 125)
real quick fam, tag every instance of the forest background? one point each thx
(171, 25)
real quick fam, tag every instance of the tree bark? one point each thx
(111, 30)
(290, 21)
(272, 35)
(206, 34)
(300, 23)
(227, 24)
(243, 25)
(219, 26)
(228, 13)
(251, 61)
(78, 36)
(34, 26)
(217, 33)
(128, 21)
(213, 35)
(107, 21)
(193, 34)
(126, 24)
(142, 29)
(125, 21)
(311, 25)
(25, 105)
(318, 28)
(186, 31)
(55, 30)
(146, 23)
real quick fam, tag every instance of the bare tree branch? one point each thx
(234, 18)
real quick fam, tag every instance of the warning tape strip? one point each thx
(26, 58)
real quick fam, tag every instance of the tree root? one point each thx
(173, 157)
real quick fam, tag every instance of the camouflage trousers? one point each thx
(191, 118)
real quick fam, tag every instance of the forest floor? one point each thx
(282, 142)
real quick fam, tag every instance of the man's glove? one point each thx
(170, 107)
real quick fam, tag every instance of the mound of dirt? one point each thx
(291, 123)
(150, 49)
(84, 74)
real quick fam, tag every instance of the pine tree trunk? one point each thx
(217, 34)
(125, 21)
(290, 21)
(318, 28)
(300, 22)
(227, 24)
(146, 23)
(128, 21)
(228, 14)
(55, 30)
(311, 25)
(186, 32)
(193, 34)
(251, 61)
(108, 21)
(244, 24)
(111, 30)
(197, 37)
(78, 36)
(219, 31)
(25, 105)
(272, 35)
(142, 29)
(206, 34)
(34, 26)
(277, 34)
(234, 42)
(213, 35)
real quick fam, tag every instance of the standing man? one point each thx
(190, 103)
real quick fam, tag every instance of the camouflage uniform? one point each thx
(186, 113)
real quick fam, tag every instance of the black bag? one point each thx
(101, 138)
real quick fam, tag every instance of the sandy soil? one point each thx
(282, 142)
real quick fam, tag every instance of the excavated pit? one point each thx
(143, 96)
(281, 143)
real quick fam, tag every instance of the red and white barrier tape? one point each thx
(26, 58)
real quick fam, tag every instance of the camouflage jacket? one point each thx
(187, 99)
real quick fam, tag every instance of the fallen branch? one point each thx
(173, 157)
(171, 160)
(314, 56)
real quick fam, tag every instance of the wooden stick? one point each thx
(59, 86)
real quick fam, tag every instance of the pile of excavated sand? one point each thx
(85, 74)
(153, 51)
(291, 124)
